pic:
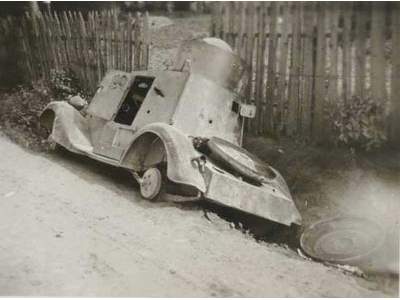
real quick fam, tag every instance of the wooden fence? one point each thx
(88, 46)
(305, 56)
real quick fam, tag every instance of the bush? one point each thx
(359, 123)
(64, 83)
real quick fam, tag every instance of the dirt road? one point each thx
(73, 227)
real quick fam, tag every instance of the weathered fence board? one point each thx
(319, 82)
(308, 68)
(89, 46)
(361, 47)
(283, 52)
(292, 124)
(269, 102)
(260, 56)
(249, 52)
(304, 58)
(395, 78)
(378, 41)
(346, 43)
(333, 56)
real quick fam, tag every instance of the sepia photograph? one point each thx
(212, 149)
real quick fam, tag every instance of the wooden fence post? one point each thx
(252, 52)
(333, 95)
(241, 48)
(224, 23)
(250, 13)
(67, 38)
(25, 38)
(236, 26)
(283, 63)
(378, 39)
(360, 45)
(294, 80)
(319, 124)
(130, 48)
(347, 11)
(231, 24)
(308, 70)
(97, 44)
(59, 35)
(216, 19)
(271, 80)
(146, 41)
(260, 61)
(137, 38)
(395, 80)
(107, 39)
(116, 47)
(40, 45)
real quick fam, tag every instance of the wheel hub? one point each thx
(151, 182)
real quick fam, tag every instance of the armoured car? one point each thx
(178, 131)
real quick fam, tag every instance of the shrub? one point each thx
(64, 83)
(359, 123)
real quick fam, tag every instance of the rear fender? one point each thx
(157, 142)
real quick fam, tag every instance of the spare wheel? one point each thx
(240, 160)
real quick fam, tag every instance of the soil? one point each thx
(99, 239)
(76, 227)
(332, 182)
(19, 115)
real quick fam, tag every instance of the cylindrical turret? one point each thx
(214, 59)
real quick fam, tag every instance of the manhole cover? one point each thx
(343, 240)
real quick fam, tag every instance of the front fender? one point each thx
(68, 127)
(179, 151)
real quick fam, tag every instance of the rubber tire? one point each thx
(261, 171)
(161, 192)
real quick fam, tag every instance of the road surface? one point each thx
(73, 227)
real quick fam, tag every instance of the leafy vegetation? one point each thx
(359, 123)
(64, 83)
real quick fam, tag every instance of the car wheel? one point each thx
(239, 160)
(152, 184)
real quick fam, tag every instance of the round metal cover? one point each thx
(151, 183)
(342, 240)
